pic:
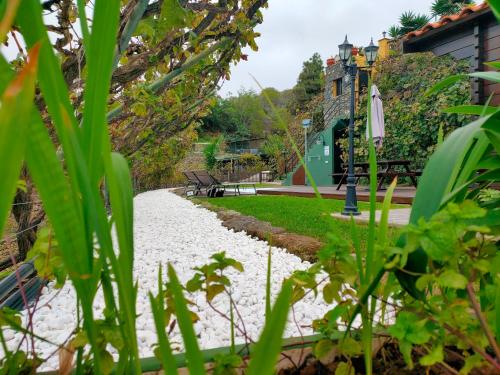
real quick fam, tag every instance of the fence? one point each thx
(257, 177)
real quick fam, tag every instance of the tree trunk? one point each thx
(27, 226)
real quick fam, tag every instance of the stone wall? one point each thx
(339, 105)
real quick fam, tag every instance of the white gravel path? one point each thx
(169, 228)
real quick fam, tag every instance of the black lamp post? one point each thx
(351, 68)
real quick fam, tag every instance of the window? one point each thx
(338, 87)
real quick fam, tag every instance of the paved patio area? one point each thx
(398, 217)
(402, 195)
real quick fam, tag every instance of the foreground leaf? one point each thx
(15, 109)
(266, 351)
(193, 354)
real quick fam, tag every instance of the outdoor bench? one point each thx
(386, 170)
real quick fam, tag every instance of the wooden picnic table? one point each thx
(386, 169)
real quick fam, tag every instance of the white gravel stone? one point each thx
(168, 228)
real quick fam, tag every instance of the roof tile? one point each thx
(447, 19)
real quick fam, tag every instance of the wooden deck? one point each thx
(402, 195)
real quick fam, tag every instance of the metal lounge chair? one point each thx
(210, 182)
(193, 184)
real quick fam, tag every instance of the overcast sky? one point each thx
(294, 29)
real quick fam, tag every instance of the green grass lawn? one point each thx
(307, 216)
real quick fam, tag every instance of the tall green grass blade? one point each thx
(477, 110)
(84, 25)
(7, 18)
(157, 308)
(295, 148)
(265, 354)
(50, 77)
(121, 197)
(384, 216)
(193, 353)
(493, 64)
(65, 217)
(440, 138)
(445, 83)
(6, 74)
(231, 318)
(268, 283)
(15, 108)
(488, 76)
(357, 250)
(99, 57)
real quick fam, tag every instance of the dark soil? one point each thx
(388, 361)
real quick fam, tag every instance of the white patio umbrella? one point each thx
(378, 125)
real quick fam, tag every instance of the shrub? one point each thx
(412, 121)
(210, 153)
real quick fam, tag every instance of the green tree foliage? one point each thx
(224, 119)
(158, 41)
(274, 148)
(309, 84)
(408, 21)
(446, 7)
(412, 121)
(246, 115)
(210, 153)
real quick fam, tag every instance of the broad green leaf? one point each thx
(454, 162)
(472, 362)
(488, 76)
(193, 353)
(350, 347)
(268, 347)
(172, 15)
(213, 291)
(330, 291)
(344, 368)
(15, 108)
(478, 110)
(424, 280)
(447, 82)
(452, 279)
(322, 348)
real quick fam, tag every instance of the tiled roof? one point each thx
(464, 13)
